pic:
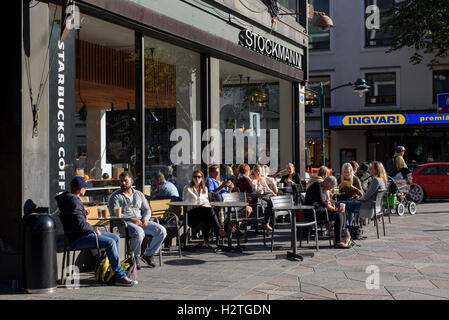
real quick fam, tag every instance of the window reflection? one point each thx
(172, 101)
(318, 39)
(251, 103)
(105, 119)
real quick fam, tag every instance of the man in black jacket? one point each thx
(82, 235)
(316, 196)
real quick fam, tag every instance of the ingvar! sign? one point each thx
(268, 47)
(387, 119)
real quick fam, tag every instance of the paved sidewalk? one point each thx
(413, 261)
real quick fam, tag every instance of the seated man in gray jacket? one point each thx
(135, 206)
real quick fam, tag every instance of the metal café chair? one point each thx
(279, 201)
(63, 244)
(374, 210)
(170, 221)
(326, 222)
(240, 214)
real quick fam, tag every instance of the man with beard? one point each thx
(135, 206)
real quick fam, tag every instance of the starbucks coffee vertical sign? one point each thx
(62, 113)
(270, 48)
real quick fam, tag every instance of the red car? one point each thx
(430, 180)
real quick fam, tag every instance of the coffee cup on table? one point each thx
(100, 212)
(118, 212)
(104, 212)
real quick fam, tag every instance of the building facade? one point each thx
(399, 108)
(99, 87)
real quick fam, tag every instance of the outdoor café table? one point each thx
(228, 205)
(293, 226)
(184, 205)
(101, 219)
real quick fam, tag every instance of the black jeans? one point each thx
(265, 205)
(206, 217)
(337, 217)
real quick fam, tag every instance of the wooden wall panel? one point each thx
(107, 76)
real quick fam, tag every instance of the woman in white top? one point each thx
(203, 213)
(259, 184)
(270, 181)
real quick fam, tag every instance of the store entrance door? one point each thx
(376, 152)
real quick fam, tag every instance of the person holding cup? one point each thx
(350, 188)
(261, 186)
(377, 171)
(258, 181)
(129, 203)
(349, 185)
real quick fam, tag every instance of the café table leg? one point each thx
(293, 254)
(186, 228)
(228, 226)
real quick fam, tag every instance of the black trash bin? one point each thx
(39, 253)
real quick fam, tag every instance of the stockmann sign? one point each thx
(268, 47)
(387, 119)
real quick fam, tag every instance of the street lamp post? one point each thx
(359, 86)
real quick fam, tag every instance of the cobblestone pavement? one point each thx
(412, 260)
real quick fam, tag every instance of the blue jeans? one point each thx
(351, 206)
(109, 241)
(138, 233)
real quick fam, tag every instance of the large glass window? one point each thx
(258, 106)
(382, 89)
(374, 37)
(421, 145)
(172, 112)
(318, 39)
(312, 99)
(92, 107)
(105, 110)
(289, 4)
(440, 83)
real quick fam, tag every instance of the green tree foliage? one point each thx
(422, 25)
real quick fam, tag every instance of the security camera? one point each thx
(324, 23)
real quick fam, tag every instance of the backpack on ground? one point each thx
(105, 275)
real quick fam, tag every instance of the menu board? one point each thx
(120, 135)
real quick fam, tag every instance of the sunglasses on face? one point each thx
(199, 177)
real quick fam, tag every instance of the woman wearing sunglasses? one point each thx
(202, 213)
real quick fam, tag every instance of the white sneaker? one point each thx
(125, 282)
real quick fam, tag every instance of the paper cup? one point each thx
(342, 206)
